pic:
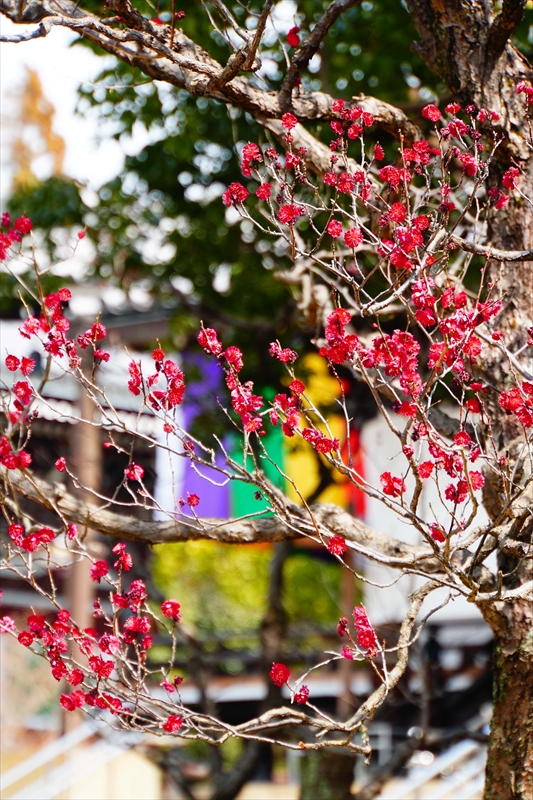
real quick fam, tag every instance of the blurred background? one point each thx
(89, 144)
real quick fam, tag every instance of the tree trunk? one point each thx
(326, 775)
(509, 774)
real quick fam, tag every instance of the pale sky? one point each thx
(62, 69)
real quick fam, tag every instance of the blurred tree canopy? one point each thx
(160, 224)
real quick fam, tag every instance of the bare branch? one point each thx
(189, 66)
(491, 252)
(305, 53)
(510, 16)
(330, 518)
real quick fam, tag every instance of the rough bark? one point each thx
(509, 774)
(468, 47)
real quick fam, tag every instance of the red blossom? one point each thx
(208, 339)
(293, 40)
(23, 225)
(193, 500)
(431, 112)
(353, 237)
(137, 624)
(31, 543)
(477, 479)
(297, 386)
(109, 644)
(76, 677)
(26, 638)
(17, 533)
(397, 212)
(289, 213)
(264, 191)
(7, 624)
(366, 636)
(36, 624)
(342, 627)
(124, 561)
(173, 723)
(61, 464)
(134, 472)
(171, 609)
(46, 535)
(12, 363)
(354, 131)
(235, 193)
(289, 121)
(510, 178)
(99, 570)
(392, 485)
(234, 357)
(284, 355)
(337, 545)
(70, 702)
(405, 409)
(322, 443)
(302, 695)
(437, 532)
(425, 469)
(334, 228)
(473, 406)
(279, 673)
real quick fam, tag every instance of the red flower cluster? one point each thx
(208, 339)
(251, 154)
(290, 407)
(172, 396)
(21, 226)
(293, 40)
(321, 442)
(284, 355)
(341, 346)
(366, 636)
(124, 561)
(32, 541)
(302, 695)
(524, 88)
(519, 401)
(99, 570)
(10, 459)
(398, 354)
(26, 365)
(392, 485)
